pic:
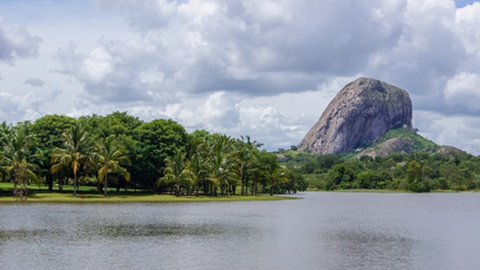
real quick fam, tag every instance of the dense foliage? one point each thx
(123, 151)
(419, 172)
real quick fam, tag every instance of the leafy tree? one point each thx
(340, 176)
(296, 182)
(157, 140)
(373, 179)
(76, 152)
(415, 179)
(48, 132)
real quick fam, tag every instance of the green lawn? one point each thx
(87, 194)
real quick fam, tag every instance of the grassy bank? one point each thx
(88, 194)
(132, 198)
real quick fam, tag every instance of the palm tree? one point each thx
(272, 172)
(111, 155)
(196, 153)
(221, 164)
(16, 161)
(177, 171)
(247, 161)
(76, 152)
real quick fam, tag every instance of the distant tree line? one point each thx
(419, 172)
(123, 151)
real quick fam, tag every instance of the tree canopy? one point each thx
(120, 150)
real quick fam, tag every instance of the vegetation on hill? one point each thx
(122, 151)
(400, 160)
(421, 171)
(399, 140)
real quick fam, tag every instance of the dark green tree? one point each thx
(48, 132)
(156, 140)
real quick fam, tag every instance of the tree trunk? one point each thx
(50, 183)
(177, 190)
(75, 184)
(99, 187)
(60, 184)
(106, 185)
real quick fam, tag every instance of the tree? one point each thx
(157, 140)
(17, 160)
(196, 155)
(340, 176)
(272, 173)
(247, 152)
(48, 132)
(76, 152)
(177, 172)
(415, 179)
(111, 155)
(221, 164)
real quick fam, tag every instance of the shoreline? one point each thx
(128, 198)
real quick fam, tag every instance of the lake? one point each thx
(319, 231)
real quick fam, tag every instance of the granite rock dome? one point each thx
(362, 112)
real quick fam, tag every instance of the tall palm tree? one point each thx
(76, 152)
(247, 161)
(196, 153)
(16, 160)
(221, 164)
(272, 172)
(177, 171)
(111, 155)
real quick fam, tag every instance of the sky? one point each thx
(263, 68)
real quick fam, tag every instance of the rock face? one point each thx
(362, 111)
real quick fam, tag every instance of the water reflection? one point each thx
(321, 231)
(372, 250)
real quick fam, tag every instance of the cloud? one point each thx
(17, 44)
(34, 82)
(14, 108)
(265, 48)
(257, 48)
(462, 92)
(260, 67)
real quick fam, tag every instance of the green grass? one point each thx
(88, 194)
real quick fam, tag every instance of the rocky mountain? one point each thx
(361, 113)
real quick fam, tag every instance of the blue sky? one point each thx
(261, 68)
(462, 3)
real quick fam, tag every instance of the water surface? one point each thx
(320, 231)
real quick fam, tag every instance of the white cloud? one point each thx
(257, 67)
(17, 43)
(19, 107)
(463, 92)
(97, 65)
(467, 20)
